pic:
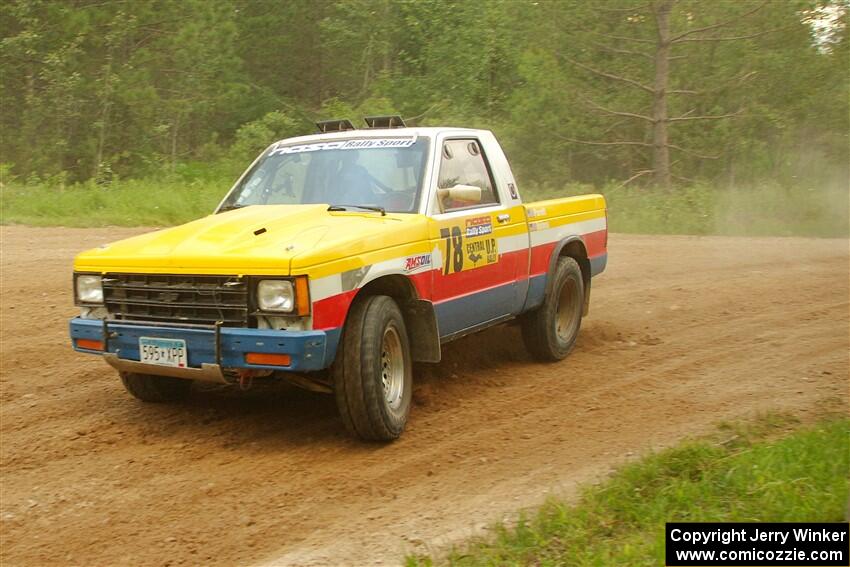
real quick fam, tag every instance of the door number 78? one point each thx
(454, 249)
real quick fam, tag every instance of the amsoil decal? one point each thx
(478, 226)
(415, 262)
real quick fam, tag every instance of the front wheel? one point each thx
(157, 389)
(373, 376)
(550, 331)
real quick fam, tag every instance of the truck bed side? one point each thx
(556, 223)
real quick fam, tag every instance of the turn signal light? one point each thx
(266, 359)
(302, 295)
(90, 344)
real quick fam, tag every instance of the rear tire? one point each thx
(551, 330)
(156, 389)
(372, 374)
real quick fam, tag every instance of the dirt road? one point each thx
(683, 332)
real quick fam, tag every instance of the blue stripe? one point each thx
(536, 292)
(598, 263)
(332, 337)
(470, 310)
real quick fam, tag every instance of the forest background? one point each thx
(726, 116)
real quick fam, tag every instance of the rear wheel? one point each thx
(550, 331)
(373, 377)
(157, 389)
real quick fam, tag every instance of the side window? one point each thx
(463, 163)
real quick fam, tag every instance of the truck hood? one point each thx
(259, 240)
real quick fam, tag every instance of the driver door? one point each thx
(475, 284)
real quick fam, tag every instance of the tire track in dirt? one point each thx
(683, 332)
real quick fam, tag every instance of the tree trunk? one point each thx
(104, 118)
(175, 128)
(660, 141)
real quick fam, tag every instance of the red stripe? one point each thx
(540, 258)
(422, 283)
(463, 283)
(330, 313)
(595, 242)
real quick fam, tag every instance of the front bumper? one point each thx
(210, 350)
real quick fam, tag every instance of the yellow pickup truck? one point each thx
(336, 261)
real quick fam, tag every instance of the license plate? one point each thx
(165, 352)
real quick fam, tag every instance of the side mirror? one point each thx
(466, 193)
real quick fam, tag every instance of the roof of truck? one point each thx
(379, 133)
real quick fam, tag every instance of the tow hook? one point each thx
(246, 377)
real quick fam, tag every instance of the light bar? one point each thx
(389, 121)
(325, 126)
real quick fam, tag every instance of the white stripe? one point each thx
(328, 286)
(560, 232)
(513, 243)
(436, 257)
(391, 266)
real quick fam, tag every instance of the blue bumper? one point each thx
(308, 350)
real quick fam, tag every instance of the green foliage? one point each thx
(750, 477)
(253, 137)
(190, 192)
(193, 189)
(101, 90)
(583, 70)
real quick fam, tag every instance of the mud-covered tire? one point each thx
(550, 331)
(156, 389)
(374, 404)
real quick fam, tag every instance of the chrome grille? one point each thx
(177, 298)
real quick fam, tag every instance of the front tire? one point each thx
(373, 376)
(156, 389)
(551, 330)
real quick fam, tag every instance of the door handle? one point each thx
(504, 217)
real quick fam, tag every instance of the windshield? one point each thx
(370, 172)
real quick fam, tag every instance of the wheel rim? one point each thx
(392, 368)
(567, 313)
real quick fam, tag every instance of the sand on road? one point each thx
(683, 332)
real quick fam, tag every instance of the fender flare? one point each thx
(421, 319)
(584, 264)
(419, 314)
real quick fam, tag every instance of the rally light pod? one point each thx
(393, 121)
(326, 126)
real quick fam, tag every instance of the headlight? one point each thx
(89, 289)
(276, 295)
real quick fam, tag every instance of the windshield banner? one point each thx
(363, 144)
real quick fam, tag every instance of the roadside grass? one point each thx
(127, 203)
(753, 210)
(193, 192)
(749, 472)
(190, 192)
